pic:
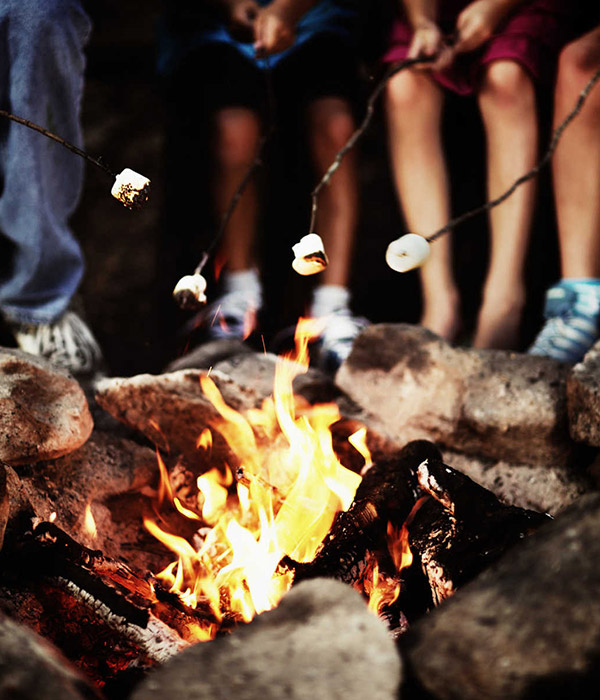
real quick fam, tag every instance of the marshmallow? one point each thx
(310, 255)
(407, 252)
(131, 189)
(189, 292)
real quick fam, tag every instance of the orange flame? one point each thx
(291, 487)
(204, 440)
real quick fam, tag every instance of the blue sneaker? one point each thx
(572, 313)
(340, 329)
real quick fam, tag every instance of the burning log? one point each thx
(463, 529)
(123, 618)
(386, 494)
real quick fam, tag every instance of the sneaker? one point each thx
(67, 343)
(571, 327)
(232, 315)
(337, 338)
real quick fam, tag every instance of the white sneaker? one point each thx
(67, 343)
(341, 328)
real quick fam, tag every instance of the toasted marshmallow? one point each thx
(131, 189)
(189, 292)
(310, 256)
(407, 252)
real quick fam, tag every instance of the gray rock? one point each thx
(321, 643)
(527, 627)
(43, 411)
(493, 404)
(583, 398)
(546, 489)
(209, 354)
(171, 410)
(31, 668)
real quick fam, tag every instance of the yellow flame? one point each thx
(292, 486)
(204, 440)
(52, 517)
(89, 524)
(358, 440)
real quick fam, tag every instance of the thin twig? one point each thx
(558, 132)
(40, 129)
(254, 166)
(392, 70)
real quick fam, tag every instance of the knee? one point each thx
(331, 127)
(237, 137)
(577, 63)
(506, 84)
(407, 92)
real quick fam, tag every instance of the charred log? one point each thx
(386, 494)
(463, 529)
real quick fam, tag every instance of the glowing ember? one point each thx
(290, 486)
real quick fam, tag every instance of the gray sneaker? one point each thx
(67, 343)
(337, 338)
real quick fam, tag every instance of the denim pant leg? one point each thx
(41, 79)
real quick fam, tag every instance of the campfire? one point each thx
(238, 504)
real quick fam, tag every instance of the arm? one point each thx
(478, 21)
(275, 27)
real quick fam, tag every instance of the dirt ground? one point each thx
(135, 258)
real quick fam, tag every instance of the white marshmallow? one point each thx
(310, 255)
(189, 291)
(407, 252)
(131, 188)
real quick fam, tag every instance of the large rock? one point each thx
(546, 489)
(583, 398)
(31, 668)
(527, 627)
(321, 643)
(494, 404)
(43, 411)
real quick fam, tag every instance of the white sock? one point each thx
(328, 299)
(245, 281)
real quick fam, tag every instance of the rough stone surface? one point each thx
(321, 643)
(171, 410)
(209, 354)
(31, 668)
(108, 473)
(43, 411)
(494, 404)
(546, 489)
(527, 627)
(583, 398)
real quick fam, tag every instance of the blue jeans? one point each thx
(41, 79)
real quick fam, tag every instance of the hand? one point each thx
(428, 41)
(242, 15)
(476, 24)
(274, 30)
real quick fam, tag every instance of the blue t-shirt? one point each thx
(327, 16)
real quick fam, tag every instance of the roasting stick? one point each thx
(130, 188)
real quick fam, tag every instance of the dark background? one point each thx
(135, 258)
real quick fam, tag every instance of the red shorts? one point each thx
(532, 35)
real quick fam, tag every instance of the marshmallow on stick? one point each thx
(189, 292)
(310, 256)
(407, 252)
(131, 189)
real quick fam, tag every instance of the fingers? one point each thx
(271, 34)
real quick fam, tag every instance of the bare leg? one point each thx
(331, 124)
(576, 166)
(237, 138)
(507, 103)
(414, 106)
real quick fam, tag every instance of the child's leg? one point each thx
(507, 104)
(331, 124)
(236, 142)
(576, 164)
(237, 135)
(414, 107)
